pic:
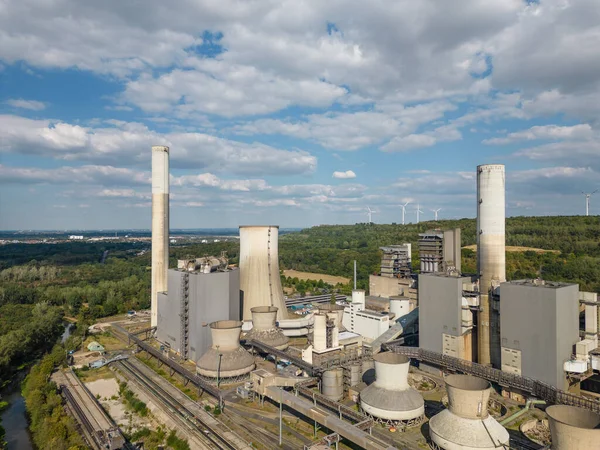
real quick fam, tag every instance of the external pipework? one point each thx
(491, 256)
(260, 280)
(160, 227)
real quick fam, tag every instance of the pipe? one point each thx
(519, 413)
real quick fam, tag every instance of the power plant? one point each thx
(352, 367)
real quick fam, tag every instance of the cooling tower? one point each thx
(260, 281)
(160, 227)
(264, 328)
(491, 256)
(390, 398)
(466, 424)
(573, 428)
(226, 358)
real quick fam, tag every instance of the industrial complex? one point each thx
(429, 357)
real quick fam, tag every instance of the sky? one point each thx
(293, 112)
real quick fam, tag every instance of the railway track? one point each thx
(204, 431)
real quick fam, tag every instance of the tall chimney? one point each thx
(160, 226)
(491, 256)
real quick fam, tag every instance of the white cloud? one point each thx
(129, 143)
(585, 153)
(344, 175)
(546, 132)
(210, 180)
(91, 174)
(410, 142)
(33, 105)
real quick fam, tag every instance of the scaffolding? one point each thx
(396, 261)
(431, 251)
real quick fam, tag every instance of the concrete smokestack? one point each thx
(160, 226)
(260, 281)
(491, 256)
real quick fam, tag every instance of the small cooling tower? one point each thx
(226, 358)
(332, 384)
(260, 281)
(264, 328)
(466, 424)
(390, 398)
(573, 428)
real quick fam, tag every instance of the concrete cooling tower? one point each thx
(573, 428)
(491, 255)
(160, 227)
(466, 424)
(390, 399)
(226, 358)
(264, 328)
(260, 281)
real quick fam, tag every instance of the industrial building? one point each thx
(396, 261)
(446, 304)
(440, 251)
(200, 291)
(539, 328)
(358, 319)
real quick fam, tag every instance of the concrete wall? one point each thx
(543, 324)
(440, 308)
(214, 296)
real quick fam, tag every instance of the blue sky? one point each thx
(294, 113)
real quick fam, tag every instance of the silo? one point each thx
(573, 428)
(226, 358)
(160, 227)
(491, 255)
(400, 306)
(390, 398)
(260, 281)
(264, 328)
(466, 423)
(334, 311)
(320, 332)
(332, 384)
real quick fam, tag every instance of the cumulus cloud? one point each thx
(344, 175)
(544, 132)
(585, 153)
(32, 105)
(129, 143)
(90, 174)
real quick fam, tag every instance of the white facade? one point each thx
(369, 324)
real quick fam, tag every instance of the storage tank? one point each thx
(573, 428)
(358, 296)
(332, 384)
(260, 281)
(390, 398)
(491, 255)
(264, 328)
(400, 306)
(226, 358)
(466, 424)
(160, 227)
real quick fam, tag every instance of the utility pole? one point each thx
(354, 274)
(280, 413)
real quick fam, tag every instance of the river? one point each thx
(14, 418)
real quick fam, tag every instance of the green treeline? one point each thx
(50, 426)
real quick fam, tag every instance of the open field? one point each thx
(512, 248)
(330, 279)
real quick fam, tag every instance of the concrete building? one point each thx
(440, 251)
(491, 258)
(387, 287)
(160, 227)
(539, 328)
(357, 319)
(445, 317)
(396, 261)
(194, 300)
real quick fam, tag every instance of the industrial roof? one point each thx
(540, 283)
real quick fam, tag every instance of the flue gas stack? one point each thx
(264, 328)
(226, 358)
(491, 256)
(466, 424)
(260, 281)
(573, 428)
(160, 227)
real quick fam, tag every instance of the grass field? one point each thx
(511, 248)
(316, 277)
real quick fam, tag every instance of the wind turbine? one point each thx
(370, 214)
(435, 211)
(404, 211)
(587, 201)
(418, 211)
